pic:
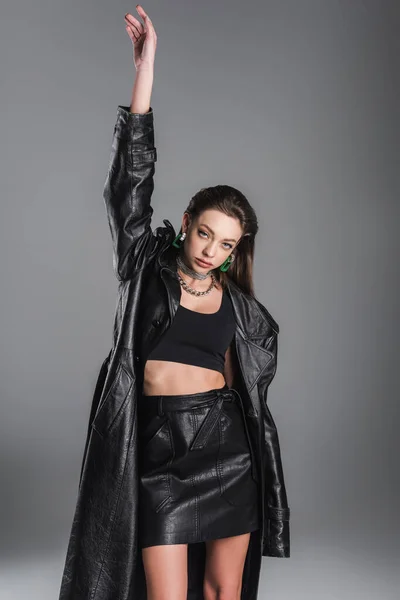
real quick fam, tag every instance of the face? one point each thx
(212, 237)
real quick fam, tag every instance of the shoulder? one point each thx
(254, 309)
(267, 315)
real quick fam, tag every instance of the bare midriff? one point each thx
(170, 378)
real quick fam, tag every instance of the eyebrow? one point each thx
(209, 228)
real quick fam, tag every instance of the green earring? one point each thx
(226, 264)
(179, 238)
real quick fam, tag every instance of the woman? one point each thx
(181, 485)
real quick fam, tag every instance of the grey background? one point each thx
(296, 103)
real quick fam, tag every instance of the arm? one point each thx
(277, 531)
(228, 367)
(129, 184)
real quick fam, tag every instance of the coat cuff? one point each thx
(124, 112)
(138, 130)
(276, 541)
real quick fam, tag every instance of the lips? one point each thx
(204, 263)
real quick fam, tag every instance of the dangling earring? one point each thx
(227, 263)
(181, 237)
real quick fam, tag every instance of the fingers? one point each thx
(135, 28)
(146, 18)
(134, 24)
(142, 12)
(133, 36)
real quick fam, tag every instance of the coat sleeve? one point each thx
(277, 534)
(128, 189)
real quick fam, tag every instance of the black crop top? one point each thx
(199, 339)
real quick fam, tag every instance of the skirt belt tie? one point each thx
(209, 423)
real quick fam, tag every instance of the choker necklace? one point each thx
(185, 269)
(188, 271)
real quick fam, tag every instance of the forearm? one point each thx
(128, 189)
(141, 92)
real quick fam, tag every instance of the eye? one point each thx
(226, 243)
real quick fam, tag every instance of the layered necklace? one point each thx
(188, 271)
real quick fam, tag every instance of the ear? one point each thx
(186, 220)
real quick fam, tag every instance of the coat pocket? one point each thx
(114, 401)
(156, 454)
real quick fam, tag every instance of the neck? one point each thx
(188, 271)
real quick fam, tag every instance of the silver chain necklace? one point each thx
(189, 289)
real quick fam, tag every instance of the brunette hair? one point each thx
(233, 203)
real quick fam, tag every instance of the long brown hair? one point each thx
(233, 203)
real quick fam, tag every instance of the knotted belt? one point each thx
(226, 394)
(210, 421)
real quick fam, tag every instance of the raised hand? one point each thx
(144, 39)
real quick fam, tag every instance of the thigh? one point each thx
(225, 560)
(165, 568)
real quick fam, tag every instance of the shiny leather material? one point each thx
(195, 469)
(103, 561)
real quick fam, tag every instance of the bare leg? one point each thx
(166, 571)
(224, 567)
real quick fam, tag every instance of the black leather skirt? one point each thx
(197, 474)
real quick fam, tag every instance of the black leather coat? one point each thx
(103, 561)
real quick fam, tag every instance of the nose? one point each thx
(209, 252)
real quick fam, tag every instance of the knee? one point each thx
(226, 591)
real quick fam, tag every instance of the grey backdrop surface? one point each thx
(296, 103)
